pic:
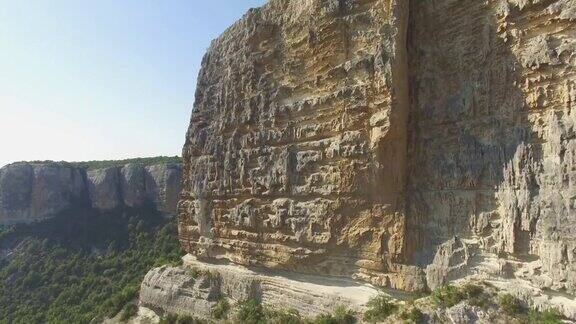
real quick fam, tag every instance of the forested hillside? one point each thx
(82, 265)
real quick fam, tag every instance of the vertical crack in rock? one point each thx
(405, 144)
(296, 152)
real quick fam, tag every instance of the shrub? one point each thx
(379, 308)
(251, 312)
(415, 315)
(343, 315)
(130, 310)
(290, 316)
(545, 317)
(194, 272)
(510, 305)
(483, 301)
(211, 275)
(476, 296)
(323, 319)
(471, 290)
(447, 296)
(180, 319)
(220, 310)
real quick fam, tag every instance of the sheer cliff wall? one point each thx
(295, 156)
(406, 143)
(492, 88)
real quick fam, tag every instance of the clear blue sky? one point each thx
(106, 79)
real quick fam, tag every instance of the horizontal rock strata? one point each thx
(177, 290)
(405, 143)
(295, 154)
(493, 89)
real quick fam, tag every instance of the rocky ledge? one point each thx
(199, 290)
(196, 287)
(32, 192)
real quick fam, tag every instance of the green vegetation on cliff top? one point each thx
(95, 165)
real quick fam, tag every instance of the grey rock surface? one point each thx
(31, 192)
(492, 151)
(104, 188)
(163, 186)
(133, 185)
(177, 290)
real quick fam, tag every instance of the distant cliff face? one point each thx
(407, 143)
(35, 191)
(29, 192)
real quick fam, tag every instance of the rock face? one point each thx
(104, 189)
(32, 192)
(163, 185)
(133, 184)
(176, 290)
(492, 146)
(295, 156)
(406, 143)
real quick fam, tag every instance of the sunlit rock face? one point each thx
(296, 152)
(406, 143)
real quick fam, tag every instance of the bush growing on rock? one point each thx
(251, 312)
(379, 308)
(447, 296)
(510, 305)
(341, 315)
(220, 310)
(415, 315)
(289, 316)
(545, 317)
(180, 319)
(476, 296)
(130, 310)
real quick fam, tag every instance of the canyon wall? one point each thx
(32, 192)
(491, 181)
(296, 153)
(404, 143)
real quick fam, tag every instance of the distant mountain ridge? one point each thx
(34, 191)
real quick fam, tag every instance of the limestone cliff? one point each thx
(32, 192)
(492, 147)
(406, 143)
(295, 156)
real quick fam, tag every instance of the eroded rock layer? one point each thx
(406, 143)
(295, 154)
(195, 289)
